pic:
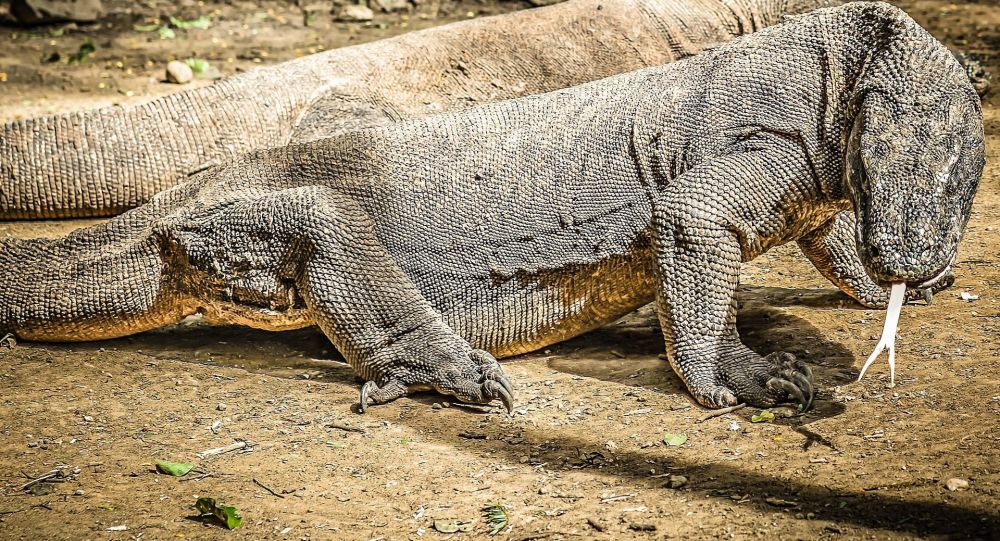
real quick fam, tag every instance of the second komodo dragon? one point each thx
(425, 248)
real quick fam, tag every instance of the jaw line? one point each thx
(935, 279)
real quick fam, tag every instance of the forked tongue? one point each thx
(888, 340)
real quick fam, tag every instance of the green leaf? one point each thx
(452, 525)
(83, 53)
(167, 33)
(674, 440)
(177, 469)
(200, 23)
(145, 27)
(496, 517)
(228, 516)
(765, 416)
(199, 66)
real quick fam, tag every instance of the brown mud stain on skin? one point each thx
(869, 461)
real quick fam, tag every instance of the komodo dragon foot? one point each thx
(489, 384)
(760, 381)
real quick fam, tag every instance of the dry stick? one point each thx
(345, 428)
(242, 444)
(43, 477)
(720, 412)
(267, 488)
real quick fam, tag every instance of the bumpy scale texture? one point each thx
(103, 162)
(425, 248)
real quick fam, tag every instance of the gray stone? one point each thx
(354, 13)
(389, 6)
(49, 11)
(179, 73)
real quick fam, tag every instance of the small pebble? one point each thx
(179, 73)
(88, 419)
(676, 481)
(354, 13)
(221, 407)
(955, 483)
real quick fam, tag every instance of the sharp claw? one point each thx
(365, 390)
(505, 383)
(789, 388)
(506, 397)
(805, 384)
(805, 370)
(928, 295)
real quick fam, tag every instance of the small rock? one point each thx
(221, 407)
(955, 483)
(676, 481)
(966, 296)
(389, 6)
(597, 525)
(88, 419)
(354, 13)
(642, 527)
(50, 11)
(179, 73)
(436, 405)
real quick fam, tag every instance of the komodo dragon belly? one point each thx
(504, 316)
(531, 311)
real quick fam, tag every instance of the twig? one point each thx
(345, 428)
(720, 412)
(623, 497)
(242, 444)
(267, 488)
(43, 477)
(199, 478)
(8, 340)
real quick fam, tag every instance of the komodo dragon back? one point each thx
(102, 162)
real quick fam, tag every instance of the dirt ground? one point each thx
(582, 457)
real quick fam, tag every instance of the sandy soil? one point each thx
(582, 457)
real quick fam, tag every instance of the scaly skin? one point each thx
(421, 246)
(103, 162)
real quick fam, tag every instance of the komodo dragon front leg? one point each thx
(832, 250)
(708, 221)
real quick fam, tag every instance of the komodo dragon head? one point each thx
(914, 157)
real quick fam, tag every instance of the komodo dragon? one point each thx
(425, 248)
(100, 163)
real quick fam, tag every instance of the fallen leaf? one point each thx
(674, 440)
(200, 23)
(765, 416)
(228, 516)
(177, 469)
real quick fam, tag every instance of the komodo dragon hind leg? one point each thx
(372, 311)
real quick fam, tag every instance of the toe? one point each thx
(494, 389)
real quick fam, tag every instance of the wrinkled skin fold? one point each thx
(426, 248)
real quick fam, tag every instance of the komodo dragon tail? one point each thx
(99, 282)
(102, 162)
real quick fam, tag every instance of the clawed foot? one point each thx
(761, 382)
(478, 381)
